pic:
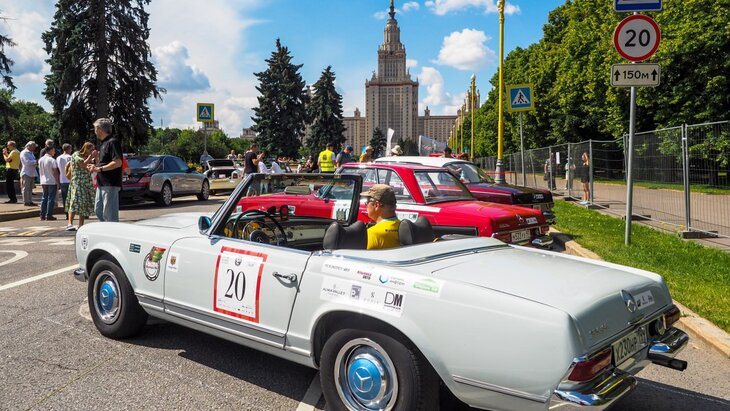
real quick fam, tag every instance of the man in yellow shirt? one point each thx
(367, 156)
(381, 209)
(327, 159)
(11, 155)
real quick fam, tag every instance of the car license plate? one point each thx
(629, 345)
(521, 235)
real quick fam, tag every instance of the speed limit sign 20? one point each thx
(636, 37)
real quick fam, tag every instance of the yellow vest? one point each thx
(326, 161)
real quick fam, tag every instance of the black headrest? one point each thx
(415, 232)
(353, 237)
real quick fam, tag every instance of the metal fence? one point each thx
(681, 175)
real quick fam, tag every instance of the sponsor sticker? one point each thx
(151, 264)
(406, 215)
(428, 286)
(135, 248)
(367, 296)
(237, 283)
(84, 242)
(531, 220)
(173, 261)
(644, 299)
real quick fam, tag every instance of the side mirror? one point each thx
(204, 223)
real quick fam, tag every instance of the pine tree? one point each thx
(280, 117)
(5, 61)
(325, 113)
(377, 143)
(100, 67)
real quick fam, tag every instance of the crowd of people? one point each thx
(89, 179)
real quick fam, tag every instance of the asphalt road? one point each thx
(52, 357)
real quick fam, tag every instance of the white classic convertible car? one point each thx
(496, 326)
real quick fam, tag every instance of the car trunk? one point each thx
(589, 293)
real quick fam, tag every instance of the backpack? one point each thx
(68, 169)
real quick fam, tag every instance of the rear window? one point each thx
(146, 163)
(438, 186)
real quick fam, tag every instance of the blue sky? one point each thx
(207, 51)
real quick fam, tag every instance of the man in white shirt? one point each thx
(49, 181)
(61, 161)
(28, 173)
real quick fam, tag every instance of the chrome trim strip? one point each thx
(176, 307)
(479, 249)
(501, 390)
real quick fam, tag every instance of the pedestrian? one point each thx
(81, 189)
(49, 144)
(251, 159)
(261, 165)
(11, 156)
(29, 172)
(448, 153)
(327, 159)
(396, 151)
(108, 172)
(61, 161)
(569, 173)
(204, 158)
(49, 181)
(550, 168)
(344, 157)
(232, 156)
(585, 178)
(367, 156)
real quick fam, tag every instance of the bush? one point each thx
(2, 172)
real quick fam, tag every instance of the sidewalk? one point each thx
(9, 212)
(704, 329)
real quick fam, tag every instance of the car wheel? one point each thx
(366, 370)
(204, 191)
(113, 306)
(165, 196)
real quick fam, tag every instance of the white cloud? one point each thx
(434, 83)
(22, 26)
(174, 73)
(409, 6)
(442, 7)
(410, 63)
(466, 50)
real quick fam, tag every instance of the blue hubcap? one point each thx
(365, 376)
(365, 379)
(106, 297)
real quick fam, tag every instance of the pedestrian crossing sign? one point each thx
(520, 98)
(206, 112)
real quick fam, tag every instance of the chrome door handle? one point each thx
(288, 277)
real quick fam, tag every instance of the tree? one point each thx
(25, 121)
(325, 114)
(280, 117)
(377, 143)
(5, 62)
(100, 67)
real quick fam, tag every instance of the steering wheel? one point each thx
(280, 240)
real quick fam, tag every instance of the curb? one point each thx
(704, 329)
(29, 213)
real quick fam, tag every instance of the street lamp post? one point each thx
(499, 177)
(461, 127)
(471, 151)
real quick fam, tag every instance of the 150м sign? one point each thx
(635, 75)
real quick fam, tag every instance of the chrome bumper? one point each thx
(549, 217)
(80, 274)
(542, 241)
(603, 391)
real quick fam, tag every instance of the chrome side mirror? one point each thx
(204, 223)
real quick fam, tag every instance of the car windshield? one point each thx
(144, 163)
(438, 186)
(469, 173)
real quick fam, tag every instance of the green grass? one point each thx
(697, 276)
(695, 188)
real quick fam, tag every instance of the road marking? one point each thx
(16, 242)
(38, 277)
(18, 255)
(84, 310)
(311, 397)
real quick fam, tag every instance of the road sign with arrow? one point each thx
(635, 75)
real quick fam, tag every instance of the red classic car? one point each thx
(483, 186)
(431, 192)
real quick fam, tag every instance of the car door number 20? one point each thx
(236, 285)
(237, 281)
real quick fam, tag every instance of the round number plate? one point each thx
(637, 37)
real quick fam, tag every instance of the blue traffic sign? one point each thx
(205, 112)
(520, 98)
(637, 5)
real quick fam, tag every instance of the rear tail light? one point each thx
(544, 229)
(145, 179)
(586, 370)
(671, 316)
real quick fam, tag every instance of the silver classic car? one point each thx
(496, 326)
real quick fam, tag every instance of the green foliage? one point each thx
(697, 276)
(189, 144)
(377, 142)
(409, 147)
(99, 59)
(281, 116)
(23, 121)
(325, 114)
(570, 67)
(5, 62)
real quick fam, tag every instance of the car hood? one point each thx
(501, 214)
(505, 187)
(590, 292)
(177, 220)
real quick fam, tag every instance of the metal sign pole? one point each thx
(522, 153)
(629, 167)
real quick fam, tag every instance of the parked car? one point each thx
(483, 186)
(162, 177)
(498, 326)
(223, 175)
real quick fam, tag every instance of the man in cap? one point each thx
(28, 173)
(344, 157)
(367, 156)
(327, 159)
(396, 151)
(380, 206)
